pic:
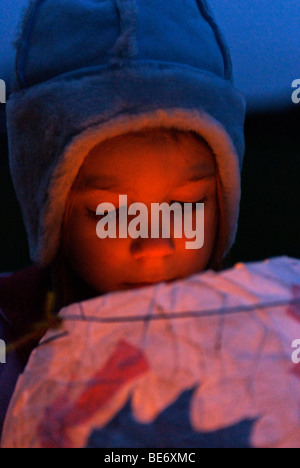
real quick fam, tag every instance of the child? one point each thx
(138, 91)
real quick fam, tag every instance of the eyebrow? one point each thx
(200, 172)
(101, 182)
(198, 177)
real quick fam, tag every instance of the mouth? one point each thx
(143, 285)
(137, 285)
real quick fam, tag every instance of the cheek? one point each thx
(210, 230)
(80, 241)
(195, 260)
(80, 233)
(210, 222)
(95, 260)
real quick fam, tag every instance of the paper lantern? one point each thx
(208, 361)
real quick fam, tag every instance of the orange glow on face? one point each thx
(147, 168)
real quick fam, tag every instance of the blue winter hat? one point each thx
(88, 70)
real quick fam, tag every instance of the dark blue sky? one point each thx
(263, 35)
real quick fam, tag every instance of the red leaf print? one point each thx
(125, 364)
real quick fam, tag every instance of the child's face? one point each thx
(147, 169)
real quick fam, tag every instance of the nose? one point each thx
(151, 248)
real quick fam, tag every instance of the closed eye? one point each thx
(203, 200)
(92, 214)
